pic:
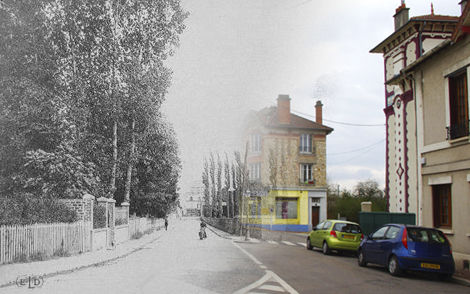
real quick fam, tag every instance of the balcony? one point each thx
(307, 183)
(457, 130)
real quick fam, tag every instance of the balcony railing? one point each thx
(457, 130)
(307, 183)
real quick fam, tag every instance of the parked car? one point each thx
(335, 235)
(404, 247)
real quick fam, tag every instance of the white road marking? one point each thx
(272, 242)
(301, 244)
(259, 284)
(271, 288)
(248, 254)
(288, 243)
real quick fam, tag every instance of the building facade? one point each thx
(413, 38)
(287, 156)
(436, 87)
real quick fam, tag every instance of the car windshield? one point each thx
(426, 235)
(347, 228)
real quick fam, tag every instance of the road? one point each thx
(178, 262)
(312, 272)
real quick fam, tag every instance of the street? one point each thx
(178, 262)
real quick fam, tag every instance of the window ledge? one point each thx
(447, 231)
(458, 140)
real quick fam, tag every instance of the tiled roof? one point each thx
(268, 117)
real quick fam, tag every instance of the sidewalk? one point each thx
(62, 265)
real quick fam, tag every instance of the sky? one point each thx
(239, 55)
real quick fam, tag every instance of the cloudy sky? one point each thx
(238, 55)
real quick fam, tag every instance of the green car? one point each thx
(335, 235)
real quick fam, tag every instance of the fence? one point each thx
(370, 221)
(39, 241)
(142, 225)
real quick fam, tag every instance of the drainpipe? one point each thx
(419, 190)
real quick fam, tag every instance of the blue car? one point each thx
(404, 247)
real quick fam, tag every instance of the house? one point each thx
(287, 157)
(193, 201)
(427, 106)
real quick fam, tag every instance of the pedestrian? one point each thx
(166, 224)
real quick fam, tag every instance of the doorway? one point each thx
(315, 215)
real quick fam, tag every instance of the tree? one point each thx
(205, 182)
(227, 187)
(219, 185)
(213, 185)
(368, 189)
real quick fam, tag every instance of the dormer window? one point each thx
(305, 143)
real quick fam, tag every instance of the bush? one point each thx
(24, 209)
(99, 217)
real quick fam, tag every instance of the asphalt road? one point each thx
(178, 262)
(312, 272)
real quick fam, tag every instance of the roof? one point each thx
(464, 23)
(436, 17)
(410, 24)
(268, 117)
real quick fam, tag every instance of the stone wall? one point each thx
(83, 207)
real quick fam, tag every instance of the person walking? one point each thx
(166, 224)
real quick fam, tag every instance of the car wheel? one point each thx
(325, 248)
(309, 244)
(393, 267)
(360, 259)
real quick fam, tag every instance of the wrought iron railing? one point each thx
(457, 130)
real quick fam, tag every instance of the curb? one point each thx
(461, 281)
(95, 264)
(213, 229)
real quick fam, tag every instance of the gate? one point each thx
(370, 221)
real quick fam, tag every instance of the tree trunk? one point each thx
(112, 186)
(130, 164)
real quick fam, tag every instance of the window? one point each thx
(320, 225)
(442, 205)
(380, 233)
(426, 235)
(255, 171)
(256, 143)
(305, 143)
(327, 225)
(306, 173)
(286, 208)
(347, 228)
(458, 102)
(392, 233)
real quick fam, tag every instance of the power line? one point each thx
(359, 149)
(342, 123)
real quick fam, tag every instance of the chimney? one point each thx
(463, 3)
(318, 112)
(401, 15)
(283, 109)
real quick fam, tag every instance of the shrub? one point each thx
(24, 209)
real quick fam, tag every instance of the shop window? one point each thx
(286, 208)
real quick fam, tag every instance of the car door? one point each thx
(372, 250)
(386, 244)
(324, 232)
(314, 236)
